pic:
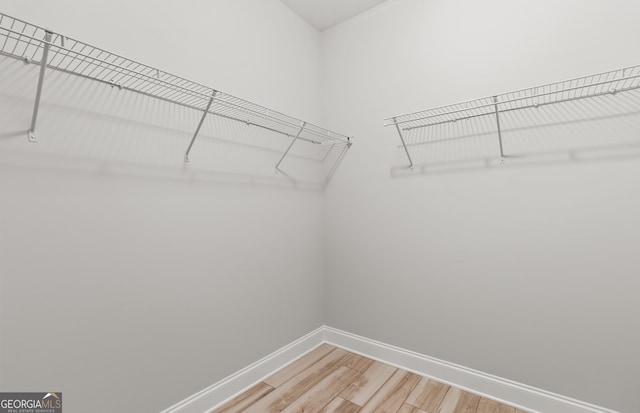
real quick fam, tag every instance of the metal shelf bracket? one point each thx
(404, 145)
(495, 101)
(195, 135)
(284, 155)
(32, 136)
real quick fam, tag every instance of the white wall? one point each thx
(129, 280)
(155, 281)
(527, 272)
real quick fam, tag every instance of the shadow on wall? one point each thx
(96, 128)
(601, 128)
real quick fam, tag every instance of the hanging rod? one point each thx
(33, 44)
(601, 84)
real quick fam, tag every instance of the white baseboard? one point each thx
(219, 393)
(505, 391)
(492, 387)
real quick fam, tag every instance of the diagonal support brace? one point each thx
(43, 67)
(403, 143)
(290, 145)
(495, 101)
(195, 135)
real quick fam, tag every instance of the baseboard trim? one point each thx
(226, 389)
(486, 385)
(493, 387)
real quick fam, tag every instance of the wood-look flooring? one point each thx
(332, 380)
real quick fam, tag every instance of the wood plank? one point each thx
(468, 403)
(407, 408)
(392, 394)
(316, 382)
(316, 398)
(428, 395)
(297, 366)
(283, 396)
(340, 405)
(450, 401)
(357, 362)
(490, 406)
(361, 390)
(246, 399)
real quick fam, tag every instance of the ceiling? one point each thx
(323, 14)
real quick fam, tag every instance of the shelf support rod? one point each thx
(43, 67)
(195, 135)
(495, 102)
(290, 145)
(404, 145)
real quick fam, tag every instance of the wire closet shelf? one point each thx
(601, 84)
(34, 44)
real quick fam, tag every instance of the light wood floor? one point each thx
(330, 379)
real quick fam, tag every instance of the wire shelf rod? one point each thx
(577, 79)
(603, 85)
(535, 105)
(519, 99)
(137, 77)
(93, 63)
(186, 105)
(99, 63)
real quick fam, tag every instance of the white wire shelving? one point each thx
(602, 84)
(54, 51)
